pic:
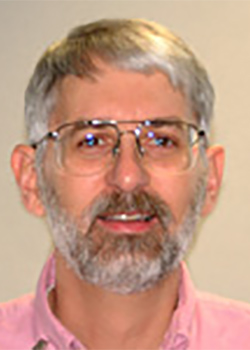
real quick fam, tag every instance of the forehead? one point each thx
(119, 95)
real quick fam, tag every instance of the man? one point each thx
(119, 162)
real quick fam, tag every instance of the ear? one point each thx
(22, 163)
(215, 157)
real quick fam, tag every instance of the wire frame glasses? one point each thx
(86, 147)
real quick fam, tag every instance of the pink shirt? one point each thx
(201, 321)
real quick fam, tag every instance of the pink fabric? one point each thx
(201, 321)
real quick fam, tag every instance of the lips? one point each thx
(127, 222)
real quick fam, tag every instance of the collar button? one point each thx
(40, 345)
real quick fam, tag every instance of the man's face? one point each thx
(85, 211)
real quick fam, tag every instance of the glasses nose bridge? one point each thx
(136, 133)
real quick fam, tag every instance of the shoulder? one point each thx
(16, 318)
(12, 309)
(222, 307)
(223, 321)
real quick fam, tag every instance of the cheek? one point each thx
(176, 191)
(76, 193)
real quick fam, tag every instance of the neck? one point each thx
(104, 320)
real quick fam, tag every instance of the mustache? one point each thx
(140, 201)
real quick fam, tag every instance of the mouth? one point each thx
(128, 222)
(127, 217)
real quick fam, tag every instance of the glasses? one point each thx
(86, 147)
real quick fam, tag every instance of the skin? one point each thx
(101, 319)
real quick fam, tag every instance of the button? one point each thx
(40, 345)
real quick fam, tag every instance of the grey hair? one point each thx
(128, 44)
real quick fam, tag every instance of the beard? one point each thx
(121, 263)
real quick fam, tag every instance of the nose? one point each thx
(127, 172)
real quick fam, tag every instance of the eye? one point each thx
(160, 140)
(91, 141)
(164, 142)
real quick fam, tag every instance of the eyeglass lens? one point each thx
(87, 150)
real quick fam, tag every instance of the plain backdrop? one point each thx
(219, 32)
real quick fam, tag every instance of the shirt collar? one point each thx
(178, 334)
(50, 330)
(47, 327)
